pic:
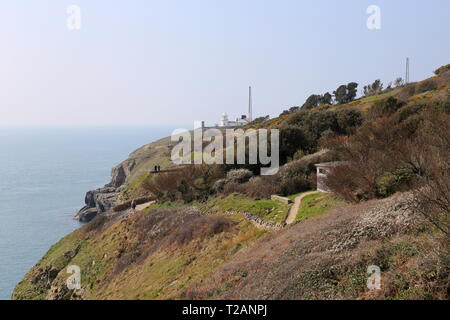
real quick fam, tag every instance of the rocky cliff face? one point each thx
(121, 172)
(97, 201)
(103, 199)
(140, 161)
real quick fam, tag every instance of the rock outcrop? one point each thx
(140, 161)
(120, 173)
(97, 201)
(103, 199)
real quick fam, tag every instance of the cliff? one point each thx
(139, 162)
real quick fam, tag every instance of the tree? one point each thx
(398, 82)
(340, 95)
(373, 89)
(290, 110)
(326, 98)
(292, 139)
(312, 101)
(260, 119)
(351, 91)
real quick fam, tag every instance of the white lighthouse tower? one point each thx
(224, 120)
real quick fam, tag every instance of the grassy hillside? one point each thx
(179, 253)
(154, 254)
(388, 210)
(326, 257)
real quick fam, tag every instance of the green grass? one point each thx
(164, 205)
(135, 189)
(266, 209)
(318, 204)
(292, 197)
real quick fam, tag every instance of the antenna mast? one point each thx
(407, 71)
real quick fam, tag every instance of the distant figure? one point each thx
(159, 168)
(156, 169)
(133, 205)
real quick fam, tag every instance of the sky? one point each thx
(170, 62)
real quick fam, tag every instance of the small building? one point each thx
(323, 170)
(242, 121)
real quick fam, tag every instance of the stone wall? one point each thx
(255, 220)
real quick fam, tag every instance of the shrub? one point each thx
(409, 111)
(219, 185)
(295, 185)
(379, 148)
(388, 155)
(407, 92)
(442, 70)
(388, 184)
(189, 183)
(261, 187)
(296, 176)
(432, 192)
(385, 107)
(313, 124)
(292, 139)
(232, 187)
(427, 85)
(239, 175)
(96, 224)
(202, 227)
(348, 120)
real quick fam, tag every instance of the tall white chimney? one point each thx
(250, 115)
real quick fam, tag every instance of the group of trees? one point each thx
(377, 87)
(346, 93)
(317, 100)
(260, 120)
(343, 94)
(304, 129)
(373, 89)
(290, 110)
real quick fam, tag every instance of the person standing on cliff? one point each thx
(133, 205)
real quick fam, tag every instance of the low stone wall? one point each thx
(127, 204)
(255, 220)
(281, 199)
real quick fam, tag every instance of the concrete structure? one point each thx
(323, 170)
(281, 199)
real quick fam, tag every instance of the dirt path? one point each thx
(144, 205)
(294, 209)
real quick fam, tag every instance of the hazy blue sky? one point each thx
(172, 62)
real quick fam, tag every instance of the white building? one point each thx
(225, 122)
(243, 120)
(323, 170)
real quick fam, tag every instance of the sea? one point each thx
(44, 175)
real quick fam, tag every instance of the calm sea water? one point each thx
(44, 175)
